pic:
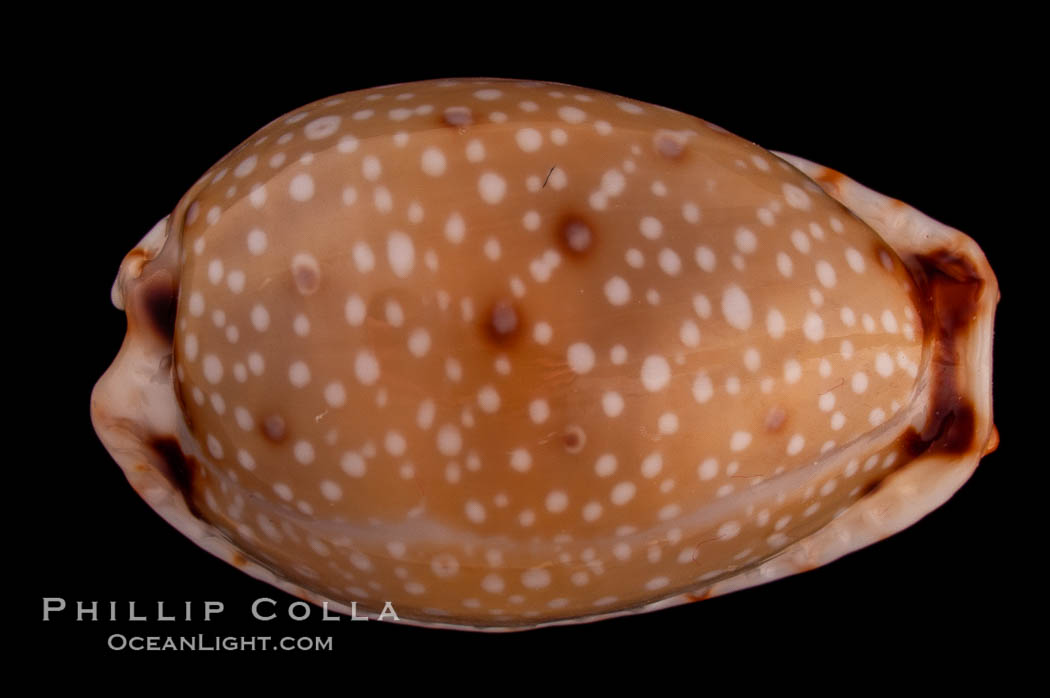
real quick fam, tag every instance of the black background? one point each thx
(125, 127)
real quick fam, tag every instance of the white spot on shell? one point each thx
(689, 334)
(651, 227)
(536, 578)
(736, 307)
(622, 493)
(669, 262)
(572, 115)
(520, 460)
(303, 452)
(488, 399)
(322, 127)
(668, 423)
(813, 327)
(652, 465)
(612, 403)
(775, 323)
(745, 240)
(212, 368)
(347, 144)
(301, 188)
(796, 197)
(539, 411)
(335, 394)
(855, 260)
(617, 291)
(605, 465)
(728, 530)
(419, 342)
(656, 373)
(475, 151)
(883, 364)
(613, 183)
(260, 318)
(826, 274)
(299, 374)
(371, 168)
(366, 367)
(215, 271)
(433, 162)
(355, 310)
(739, 440)
(455, 228)
(401, 254)
(364, 258)
(580, 357)
(703, 389)
(245, 167)
(705, 258)
(529, 139)
(492, 187)
(859, 382)
(449, 440)
(557, 501)
(475, 511)
(708, 469)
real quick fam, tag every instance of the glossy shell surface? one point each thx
(509, 354)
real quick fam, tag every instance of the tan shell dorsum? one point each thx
(509, 354)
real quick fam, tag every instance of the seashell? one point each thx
(511, 354)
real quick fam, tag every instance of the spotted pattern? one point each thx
(550, 470)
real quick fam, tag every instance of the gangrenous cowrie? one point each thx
(512, 354)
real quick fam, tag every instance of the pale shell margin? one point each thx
(133, 398)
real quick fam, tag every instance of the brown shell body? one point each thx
(505, 354)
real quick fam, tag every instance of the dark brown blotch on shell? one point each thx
(458, 117)
(503, 321)
(179, 469)
(576, 236)
(274, 428)
(947, 291)
(157, 301)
